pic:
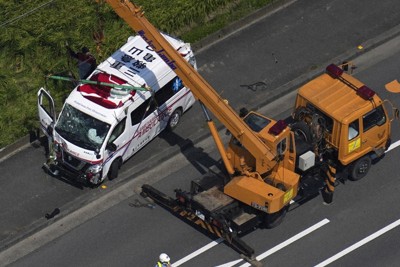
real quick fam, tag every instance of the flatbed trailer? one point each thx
(209, 210)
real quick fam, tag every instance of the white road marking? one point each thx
(289, 241)
(359, 244)
(198, 252)
(393, 146)
(281, 245)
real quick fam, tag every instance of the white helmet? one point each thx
(164, 258)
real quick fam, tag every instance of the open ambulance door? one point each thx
(47, 113)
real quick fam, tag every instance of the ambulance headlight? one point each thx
(94, 169)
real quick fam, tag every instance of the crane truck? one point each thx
(338, 127)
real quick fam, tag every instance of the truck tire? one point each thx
(360, 168)
(174, 119)
(114, 169)
(272, 220)
(302, 130)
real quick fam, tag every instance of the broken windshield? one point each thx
(81, 129)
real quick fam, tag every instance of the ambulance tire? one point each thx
(360, 168)
(174, 119)
(272, 220)
(114, 169)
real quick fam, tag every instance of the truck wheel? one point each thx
(302, 130)
(174, 119)
(272, 220)
(360, 168)
(114, 169)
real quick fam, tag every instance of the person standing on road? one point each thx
(86, 61)
(164, 261)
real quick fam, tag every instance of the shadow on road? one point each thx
(195, 155)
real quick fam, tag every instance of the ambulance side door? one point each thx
(47, 113)
(145, 125)
(167, 100)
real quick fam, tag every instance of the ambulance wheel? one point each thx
(114, 169)
(360, 168)
(272, 220)
(174, 119)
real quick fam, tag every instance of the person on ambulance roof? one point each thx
(86, 61)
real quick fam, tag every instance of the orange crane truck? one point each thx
(338, 125)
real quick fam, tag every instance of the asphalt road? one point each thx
(360, 228)
(301, 38)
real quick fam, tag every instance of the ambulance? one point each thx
(127, 101)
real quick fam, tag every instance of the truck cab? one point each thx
(347, 121)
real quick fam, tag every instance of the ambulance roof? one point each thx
(134, 64)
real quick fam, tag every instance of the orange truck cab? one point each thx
(346, 120)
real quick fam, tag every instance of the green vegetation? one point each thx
(33, 36)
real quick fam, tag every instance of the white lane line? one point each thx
(289, 241)
(359, 244)
(393, 146)
(198, 252)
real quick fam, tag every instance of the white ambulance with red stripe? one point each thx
(102, 125)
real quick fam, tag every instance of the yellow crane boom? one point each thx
(202, 90)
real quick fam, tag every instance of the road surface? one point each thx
(251, 67)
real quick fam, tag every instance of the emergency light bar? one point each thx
(364, 91)
(334, 71)
(278, 127)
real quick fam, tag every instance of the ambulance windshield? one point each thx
(81, 129)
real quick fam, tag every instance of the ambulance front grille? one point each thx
(72, 161)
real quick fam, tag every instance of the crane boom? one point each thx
(201, 89)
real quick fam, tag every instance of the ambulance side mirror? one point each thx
(111, 147)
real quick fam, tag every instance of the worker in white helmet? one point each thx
(163, 261)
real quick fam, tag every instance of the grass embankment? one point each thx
(33, 36)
